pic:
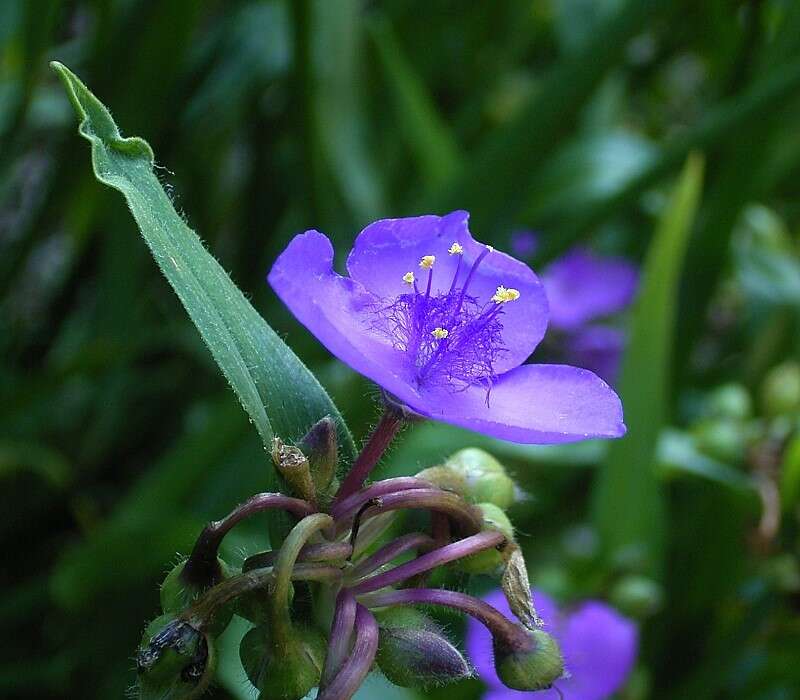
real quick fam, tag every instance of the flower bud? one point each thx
(414, 653)
(177, 594)
(319, 445)
(489, 561)
(637, 596)
(536, 666)
(486, 478)
(730, 401)
(283, 668)
(724, 439)
(175, 661)
(780, 391)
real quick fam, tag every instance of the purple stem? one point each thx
(434, 499)
(358, 664)
(347, 507)
(201, 568)
(344, 618)
(510, 635)
(438, 557)
(390, 423)
(413, 540)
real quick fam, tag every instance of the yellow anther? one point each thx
(427, 262)
(502, 295)
(456, 249)
(440, 333)
(408, 278)
(490, 248)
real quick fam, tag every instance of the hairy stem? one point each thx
(438, 557)
(325, 552)
(285, 564)
(390, 423)
(413, 540)
(345, 508)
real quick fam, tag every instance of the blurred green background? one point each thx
(574, 118)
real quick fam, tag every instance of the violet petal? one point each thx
(582, 286)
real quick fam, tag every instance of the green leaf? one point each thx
(628, 502)
(279, 393)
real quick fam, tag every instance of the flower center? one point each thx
(450, 338)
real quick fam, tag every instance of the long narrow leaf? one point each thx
(278, 392)
(629, 507)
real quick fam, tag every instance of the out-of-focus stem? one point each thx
(438, 557)
(359, 662)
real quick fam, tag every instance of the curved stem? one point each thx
(502, 629)
(451, 504)
(341, 631)
(390, 423)
(285, 563)
(201, 568)
(346, 507)
(358, 664)
(413, 540)
(438, 557)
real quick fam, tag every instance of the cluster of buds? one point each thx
(347, 588)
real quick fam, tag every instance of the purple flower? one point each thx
(599, 647)
(583, 287)
(444, 323)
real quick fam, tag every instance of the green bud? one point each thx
(724, 439)
(780, 391)
(730, 401)
(319, 445)
(637, 596)
(445, 478)
(487, 480)
(283, 668)
(534, 668)
(177, 594)
(489, 561)
(174, 662)
(414, 653)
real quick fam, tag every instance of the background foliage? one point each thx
(119, 437)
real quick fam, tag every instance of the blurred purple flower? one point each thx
(443, 323)
(599, 647)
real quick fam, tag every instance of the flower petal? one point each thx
(386, 250)
(540, 404)
(336, 310)
(582, 286)
(599, 647)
